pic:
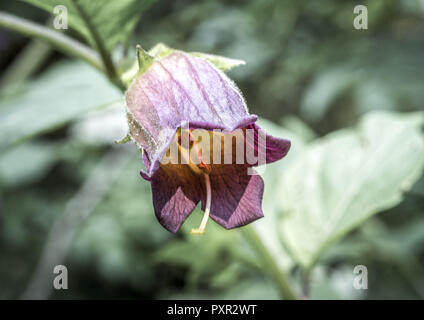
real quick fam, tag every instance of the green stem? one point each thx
(98, 42)
(62, 42)
(306, 284)
(268, 263)
(26, 63)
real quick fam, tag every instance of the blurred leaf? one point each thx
(122, 232)
(227, 277)
(326, 88)
(399, 248)
(267, 228)
(419, 187)
(64, 93)
(300, 128)
(103, 126)
(334, 284)
(345, 178)
(26, 163)
(234, 33)
(113, 20)
(205, 255)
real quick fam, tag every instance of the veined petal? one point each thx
(270, 147)
(176, 190)
(236, 196)
(180, 90)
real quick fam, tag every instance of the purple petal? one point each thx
(236, 196)
(176, 191)
(180, 89)
(146, 162)
(275, 148)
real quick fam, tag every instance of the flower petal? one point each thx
(176, 190)
(236, 196)
(275, 148)
(180, 90)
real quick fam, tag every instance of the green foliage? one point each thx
(65, 93)
(27, 163)
(119, 235)
(346, 177)
(205, 256)
(113, 20)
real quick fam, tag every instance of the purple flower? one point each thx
(177, 95)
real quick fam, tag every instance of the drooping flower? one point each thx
(178, 95)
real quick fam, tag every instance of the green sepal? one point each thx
(223, 63)
(125, 139)
(143, 62)
(146, 58)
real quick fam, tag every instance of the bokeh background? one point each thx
(69, 195)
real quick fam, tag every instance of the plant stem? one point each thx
(62, 42)
(306, 284)
(26, 63)
(268, 263)
(98, 42)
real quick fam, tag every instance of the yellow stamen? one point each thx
(201, 229)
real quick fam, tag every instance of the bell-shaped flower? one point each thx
(199, 142)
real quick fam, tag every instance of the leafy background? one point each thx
(349, 193)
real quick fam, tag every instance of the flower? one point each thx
(177, 98)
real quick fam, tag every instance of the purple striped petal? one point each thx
(176, 191)
(236, 196)
(274, 148)
(177, 90)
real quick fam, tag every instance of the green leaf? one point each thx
(223, 63)
(66, 92)
(113, 20)
(27, 163)
(267, 228)
(346, 177)
(300, 128)
(325, 89)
